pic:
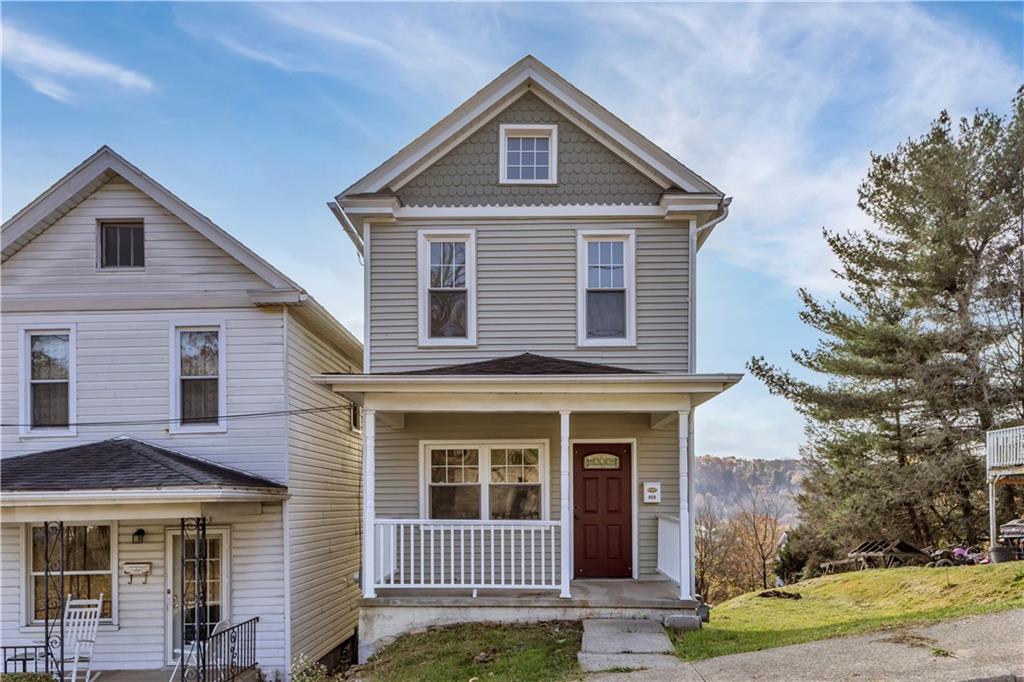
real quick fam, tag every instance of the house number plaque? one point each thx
(601, 460)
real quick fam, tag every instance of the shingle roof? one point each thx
(526, 363)
(119, 463)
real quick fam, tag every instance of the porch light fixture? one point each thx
(138, 536)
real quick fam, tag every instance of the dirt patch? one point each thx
(779, 594)
(909, 639)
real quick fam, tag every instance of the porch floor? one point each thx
(625, 593)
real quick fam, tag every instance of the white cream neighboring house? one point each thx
(156, 370)
(530, 379)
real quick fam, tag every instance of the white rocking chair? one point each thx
(189, 657)
(81, 620)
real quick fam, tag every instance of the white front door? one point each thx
(217, 587)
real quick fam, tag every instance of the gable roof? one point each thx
(530, 75)
(120, 463)
(525, 363)
(105, 164)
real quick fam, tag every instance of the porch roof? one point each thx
(125, 465)
(524, 363)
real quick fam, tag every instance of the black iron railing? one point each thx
(231, 652)
(29, 658)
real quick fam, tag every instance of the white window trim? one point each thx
(115, 269)
(352, 407)
(30, 624)
(583, 237)
(549, 130)
(25, 371)
(485, 447)
(175, 426)
(423, 240)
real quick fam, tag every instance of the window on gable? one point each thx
(606, 300)
(200, 363)
(447, 295)
(122, 245)
(50, 386)
(529, 154)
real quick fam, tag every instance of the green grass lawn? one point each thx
(852, 603)
(541, 651)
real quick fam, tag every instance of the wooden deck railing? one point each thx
(419, 553)
(1005, 448)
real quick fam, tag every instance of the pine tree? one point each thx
(924, 351)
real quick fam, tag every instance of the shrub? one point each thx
(26, 677)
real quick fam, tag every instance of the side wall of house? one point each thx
(526, 288)
(657, 459)
(324, 468)
(139, 641)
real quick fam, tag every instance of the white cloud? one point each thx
(53, 69)
(780, 105)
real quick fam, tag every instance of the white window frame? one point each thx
(548, 130)
(119, 269)
(27, 574)
(353, 409)
(423, 240)
(25, 430)
(221, 425)
(583, 238)
(485, 447)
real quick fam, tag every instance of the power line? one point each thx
(151, 422)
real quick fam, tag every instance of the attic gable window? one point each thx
(528, 154)
(122, 245)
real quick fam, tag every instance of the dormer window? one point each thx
(529, 154)
(122, 245)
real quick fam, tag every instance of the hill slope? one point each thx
(854, 602)
(723, 481)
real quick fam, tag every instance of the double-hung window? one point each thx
(447, 284)
(199, 378)
(485, 481)
(48, 389)
(606, 306)
(528, 154)
(89, 563)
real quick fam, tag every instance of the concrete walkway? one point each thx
(623, 644)
(989, 647)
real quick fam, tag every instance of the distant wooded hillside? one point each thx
(725, 480)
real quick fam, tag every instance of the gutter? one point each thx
(704, 231)
(349, 228)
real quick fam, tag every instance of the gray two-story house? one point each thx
(530, 379)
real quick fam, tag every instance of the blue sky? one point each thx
(259, 114)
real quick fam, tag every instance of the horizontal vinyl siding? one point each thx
(324, 481)
(63, 258)
(139, 641)
(657, 457)
(526, 296)
(124, 374)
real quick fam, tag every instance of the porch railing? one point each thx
(231, 652)
(1005, 447)
(27, 658)
(418, 553)
(668, 547)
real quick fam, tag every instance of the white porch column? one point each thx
(564, 510)
(685, 523)
(369, 493)
(993, 527)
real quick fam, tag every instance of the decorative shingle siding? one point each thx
(588, 172)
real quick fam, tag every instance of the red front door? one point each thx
(602, 511)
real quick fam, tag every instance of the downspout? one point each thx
(703, 231)
(346, 225)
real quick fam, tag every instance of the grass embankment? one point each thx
(542, 651)
(852, 603)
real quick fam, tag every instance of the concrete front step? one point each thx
(626, 644)
(625, 636)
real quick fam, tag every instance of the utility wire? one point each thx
(142, 422)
